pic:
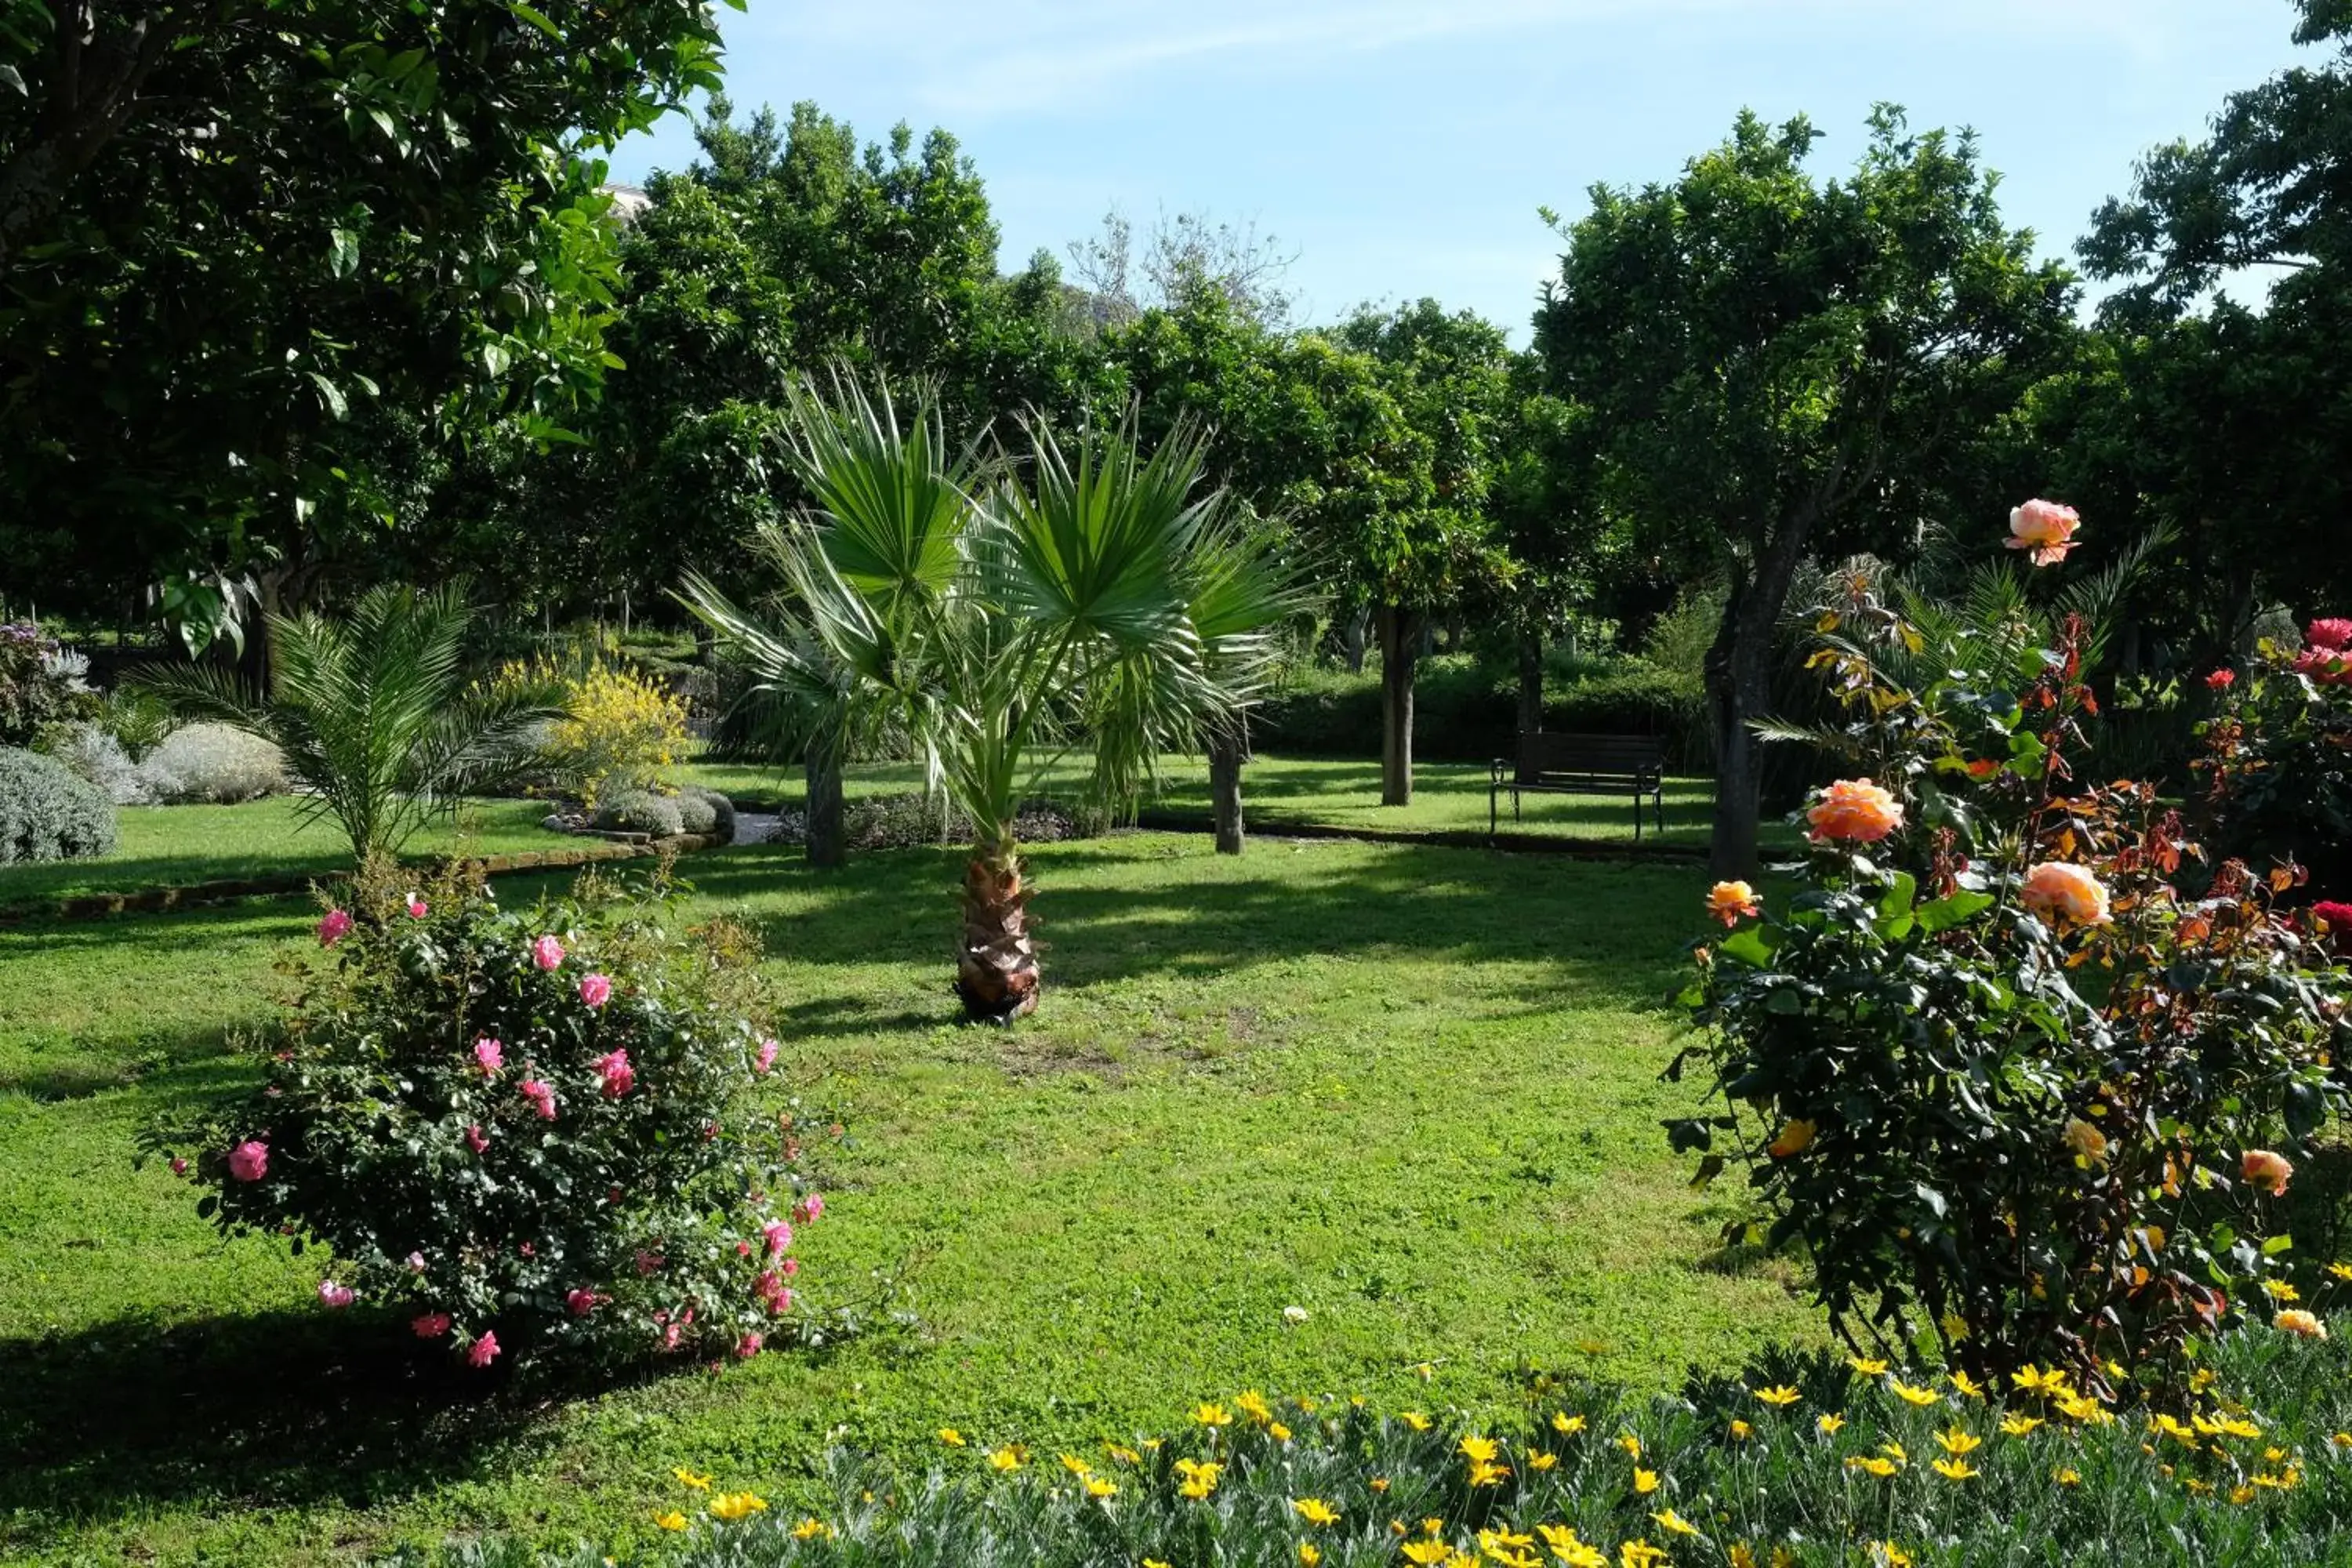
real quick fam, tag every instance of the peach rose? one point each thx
(2046, 527)
(2086, 1143)
(2069, 892)
(1795, 1138)
(1854, 811)
(2266, 1171)
(2303, 1325)
(1731, 902)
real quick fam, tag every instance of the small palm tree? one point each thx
(374, 714)
(1000, 619)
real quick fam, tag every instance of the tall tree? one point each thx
(1451, 376)
(1777, 365)
(227, 226)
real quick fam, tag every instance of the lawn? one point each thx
(1324, 792)
(1412, 1090)
(173, 846)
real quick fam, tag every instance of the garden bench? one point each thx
(1581, 764)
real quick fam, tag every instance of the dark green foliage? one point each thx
(49, 813)
(242, 245)
(1466, 709)
(619, 1212)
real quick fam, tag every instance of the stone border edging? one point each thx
(189, 895)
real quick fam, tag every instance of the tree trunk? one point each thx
(825, 834)
(997, 974)
(1738, 689)
(1228, 749)
(1360, 625)
(1531, 673)
(1399, 642)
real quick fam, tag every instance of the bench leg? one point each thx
(1494, 808)
(1514, 805)
(1637, 816)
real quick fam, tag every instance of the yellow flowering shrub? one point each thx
(621, 729)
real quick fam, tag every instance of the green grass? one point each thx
(1342, 793)
(1413, 1091)
(174, 846)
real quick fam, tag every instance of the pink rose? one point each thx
(416, 908)
(475, 1140)
(595, 990)
(648, 1261)
(671, 1335)
(483, 1350)
(618, 1074)
(789, 1266)
(2222, 679)
(2266, 1171)
(541, 1096)
(809, 1208)
(416, 1263)
(778, 1234)
(766, 1057)
(430, 1325)
(547, 953)
(491, 1054)
(2046, 529)
(582, 1300)
(333, 927)
(781, 1302)
(749, 1346)
(335, 1296)
(179, 1166)
(2334, 632)
(249, 1161)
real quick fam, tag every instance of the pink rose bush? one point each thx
(633, 1198)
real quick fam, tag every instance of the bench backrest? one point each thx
(1543, 754)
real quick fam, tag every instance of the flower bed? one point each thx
(1821, 1461)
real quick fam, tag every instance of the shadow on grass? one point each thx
(1608, 928)
(280, 1409)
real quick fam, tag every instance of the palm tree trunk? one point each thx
(997, 974)
(824, 832)
(1228, 749)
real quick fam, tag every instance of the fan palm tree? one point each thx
(1001, 618)
(374, 714)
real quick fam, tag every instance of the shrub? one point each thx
(48, 813)
(908, 818)
(2004, 1081)
(1809, 1462)
(41, 684)
(212, 765)
(619, 729)
(97, 757)
(706, 811)
(640, 811)
(522, 1129)
(137, 721)
(2277, 763)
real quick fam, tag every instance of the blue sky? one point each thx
(1401, 149)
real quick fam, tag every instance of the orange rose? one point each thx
(1731, 902)
(2069, 892)
(2266, 1171)
(1795, 1138)
(2046, 527)
(1854, 811)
